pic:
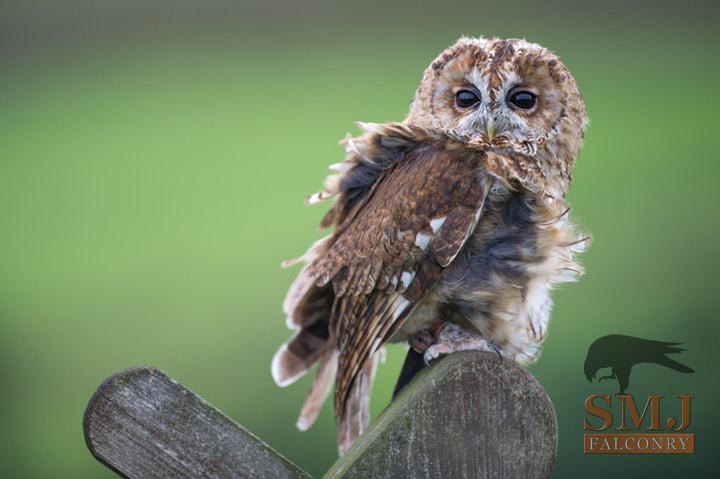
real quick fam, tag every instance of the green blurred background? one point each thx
(153, 161)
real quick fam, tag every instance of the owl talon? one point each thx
(496, 349)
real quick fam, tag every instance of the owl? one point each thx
(449, 229)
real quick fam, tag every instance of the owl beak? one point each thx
(490, 128)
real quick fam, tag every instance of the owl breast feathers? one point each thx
(456, 215)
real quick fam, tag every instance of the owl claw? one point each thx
(453, 338)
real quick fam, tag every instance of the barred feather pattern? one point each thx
(453, 214)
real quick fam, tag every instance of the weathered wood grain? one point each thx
(470, 415)
(143, 424)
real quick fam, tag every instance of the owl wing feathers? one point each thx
(368, 158)
(391, 243)
(307, 306)
(406, 200)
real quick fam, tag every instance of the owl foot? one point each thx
(453, 338)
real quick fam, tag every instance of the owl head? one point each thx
(510, 97)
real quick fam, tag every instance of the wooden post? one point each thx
(143, 424)
(470, 415)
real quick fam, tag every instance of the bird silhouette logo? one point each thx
(621, 353)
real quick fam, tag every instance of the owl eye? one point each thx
(522, 99)
(466, 98)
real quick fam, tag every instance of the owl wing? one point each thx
(390, 246)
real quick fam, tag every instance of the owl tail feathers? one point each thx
(327, 368)
(354, 417)
(298, 354)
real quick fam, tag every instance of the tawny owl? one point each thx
(450, 228)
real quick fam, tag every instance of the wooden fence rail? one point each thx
(468, 415)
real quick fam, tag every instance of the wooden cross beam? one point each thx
(468, 415)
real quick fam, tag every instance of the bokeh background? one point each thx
(154, 157)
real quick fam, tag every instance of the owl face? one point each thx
(509, 96)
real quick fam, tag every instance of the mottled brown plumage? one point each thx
(456, 214)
